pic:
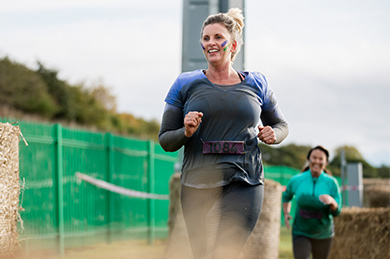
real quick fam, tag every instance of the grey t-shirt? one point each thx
(230, 113)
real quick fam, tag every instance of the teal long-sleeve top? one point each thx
(312, 218)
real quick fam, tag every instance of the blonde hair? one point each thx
(234, 23)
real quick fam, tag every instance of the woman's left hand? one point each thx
(266, 134)
(328, 200)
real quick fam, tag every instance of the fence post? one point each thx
(60, 190)
(343, 165)
(151, 202)
(110, 170)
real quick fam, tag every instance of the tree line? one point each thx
(41, 94)
(293, 155)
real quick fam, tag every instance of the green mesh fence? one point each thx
(61, 210)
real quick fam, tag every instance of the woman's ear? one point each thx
(234, 46)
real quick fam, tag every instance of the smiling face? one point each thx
(318, 162)
(216, 44)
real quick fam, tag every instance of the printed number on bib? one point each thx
(223, 147)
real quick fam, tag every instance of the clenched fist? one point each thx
(266, 135)
(192, 121)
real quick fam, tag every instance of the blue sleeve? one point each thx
(265, 94)
(268, 97)
(174, 95)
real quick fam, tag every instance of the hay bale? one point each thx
(362, 233)
(264, 241)
(376, 181)
(9, 189)
(378, 196)
(376, 193)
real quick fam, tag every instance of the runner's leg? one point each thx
(321, 248)
(239, 210)
(301, 247)
(196, 205)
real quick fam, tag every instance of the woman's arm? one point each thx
(171, 135)
(287, 196)
(286, 213)
(175, 131)
(274, 118)
(333, 199)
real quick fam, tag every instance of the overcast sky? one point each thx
(327, 61)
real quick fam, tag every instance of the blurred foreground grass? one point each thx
(285, 244)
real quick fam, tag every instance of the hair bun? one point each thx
(238, 17)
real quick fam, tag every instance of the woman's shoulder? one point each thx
(189, 76)
(186, 78)
(256, 76)
(175, 92)
(297, 180)
(256, 80)
(300, 176)
(330, 178)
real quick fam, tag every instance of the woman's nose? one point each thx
(319, 161)
(315, 161)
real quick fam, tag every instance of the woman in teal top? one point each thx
(318, 199)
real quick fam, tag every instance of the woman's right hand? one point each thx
(192, 121)
(287, 218)
(329, 200)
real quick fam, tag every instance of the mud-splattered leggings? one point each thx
(220, 220)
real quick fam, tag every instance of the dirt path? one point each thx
(139, 249)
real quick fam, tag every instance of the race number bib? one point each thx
(223, 147)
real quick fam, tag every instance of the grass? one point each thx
(285, 244)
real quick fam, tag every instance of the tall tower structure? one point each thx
(194, 14)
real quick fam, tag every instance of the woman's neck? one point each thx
(315, 174)
(222, 75)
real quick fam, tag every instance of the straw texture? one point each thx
(263, 243)
(376, 193)
(362, 233)
(9, 189)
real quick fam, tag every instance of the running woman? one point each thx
(318, 200)
(219, 115)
